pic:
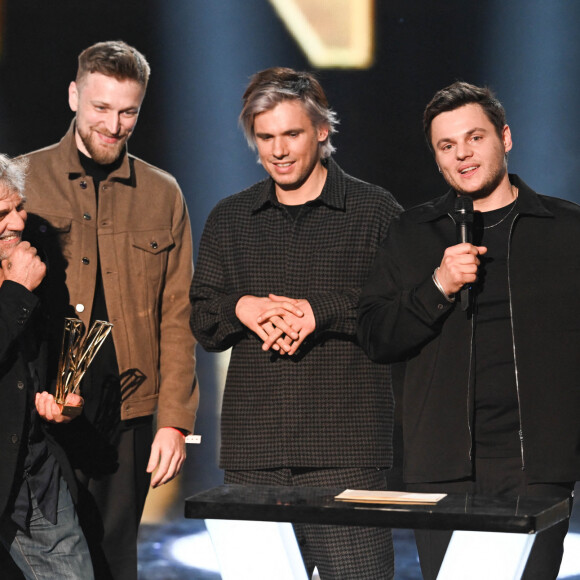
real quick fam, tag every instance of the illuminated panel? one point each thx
(332, 33)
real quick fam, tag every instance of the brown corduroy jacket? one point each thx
(142, 234)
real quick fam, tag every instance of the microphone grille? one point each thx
(463, 208)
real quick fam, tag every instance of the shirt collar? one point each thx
(332, 195)
(528, 203)
(72, 166)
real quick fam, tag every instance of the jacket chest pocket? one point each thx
(151, 250)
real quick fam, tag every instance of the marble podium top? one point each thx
(317, 505)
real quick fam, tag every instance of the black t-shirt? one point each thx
(497, 421)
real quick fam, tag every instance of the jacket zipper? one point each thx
(467, 404)
(469, 386)
(521, 431)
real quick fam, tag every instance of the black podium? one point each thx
(509, 523)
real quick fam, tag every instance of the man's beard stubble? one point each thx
(102, 154)
(5, 254)
(488, 188)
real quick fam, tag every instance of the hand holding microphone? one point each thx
(458, 268)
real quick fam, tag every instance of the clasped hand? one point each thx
(23, 266)
(281, 322)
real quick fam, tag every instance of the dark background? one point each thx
(202, 53)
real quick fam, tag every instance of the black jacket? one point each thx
(22, 366)
(402, 316)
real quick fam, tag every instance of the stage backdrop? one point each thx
(203, 52)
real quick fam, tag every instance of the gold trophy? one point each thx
(76, 355)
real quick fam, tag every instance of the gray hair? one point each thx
(12, 175)
(270, 87)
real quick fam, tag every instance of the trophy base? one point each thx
(71, 411)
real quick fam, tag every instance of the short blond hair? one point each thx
(114, 58)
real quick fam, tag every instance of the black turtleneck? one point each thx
(101, 387)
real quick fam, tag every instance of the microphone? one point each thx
(463, 217)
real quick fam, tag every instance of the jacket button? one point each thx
(14, 438)
(85, 261)
(86, 216)
(440, 306)
(83, 184)
(80, 307)
(20, 385)
(154, 245)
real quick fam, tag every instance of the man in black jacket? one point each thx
(491, 399)
(38, 522)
